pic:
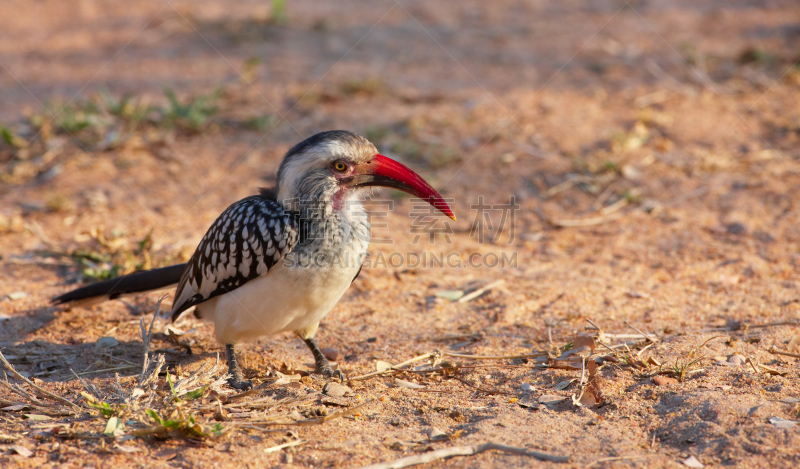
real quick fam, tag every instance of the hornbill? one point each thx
(279, 261)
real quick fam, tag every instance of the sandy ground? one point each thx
(652, 148)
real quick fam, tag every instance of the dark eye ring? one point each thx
(340, 166)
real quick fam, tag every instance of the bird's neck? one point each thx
(337, 220)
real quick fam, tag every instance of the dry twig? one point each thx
(480, 291)
(396, 368)
(775, 351)
(591, 221)
(646, 336)
(272, 449)
(146, 334)
(49, 394)
(464, 451)
(617, 458)
(494, 357)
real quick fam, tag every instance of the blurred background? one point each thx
(652, 148)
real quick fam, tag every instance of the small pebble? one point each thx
(330, 353)
(104, 342)
(736, 228)
(17, 295)
(336, 390)
(737, 359)
(526, 387)
(664, 380)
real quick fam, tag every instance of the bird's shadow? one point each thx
(24, 323)
(104, 358)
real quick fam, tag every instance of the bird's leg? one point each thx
(321, 364)
(236, 380)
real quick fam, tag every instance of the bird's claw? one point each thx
(240, 384)
(330, 373)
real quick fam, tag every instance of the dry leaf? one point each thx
(583, 341)
(564, 365)
(772, 371)
(794, 344)
(550, 399)
(406, 384)
(383, 366)
(582, 351)
(586, 400)
(638, 364)
(435, 434)
(114, 427)
(166, 454)
(692, 461)
(451, 295)
(782, 423)
(653, 361)
(15, 407)
(126, 449)
(22, 451)
(565, 384)
(606, 358)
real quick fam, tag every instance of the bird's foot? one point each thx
(240, 384)
(330, 373)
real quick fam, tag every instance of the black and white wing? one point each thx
(244, 243)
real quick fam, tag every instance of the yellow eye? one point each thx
(340, 166)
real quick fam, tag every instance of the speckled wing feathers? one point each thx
(244, 243)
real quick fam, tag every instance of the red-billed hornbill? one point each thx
(279, 261)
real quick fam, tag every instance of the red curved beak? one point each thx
(386, 172)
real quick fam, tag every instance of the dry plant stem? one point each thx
(464, 451)
(580, 382)
(16, 389)
(775, 351)
(480, 291)
(30, 383)
(107, 369)
(596, 327)
(587, 221)
(646, 336)
(639, 354)
(614, 207)
(436, 370)
(771, 324)
(444, 338)
(272, 449)
(395, 368)
(623, 336)
(618, 458)
(146, 334)
(494, 357)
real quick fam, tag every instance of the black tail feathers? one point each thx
(136, 282)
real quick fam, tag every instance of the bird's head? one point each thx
(339, 166)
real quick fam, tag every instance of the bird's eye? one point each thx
(340, 166)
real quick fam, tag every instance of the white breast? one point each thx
(285, 299)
